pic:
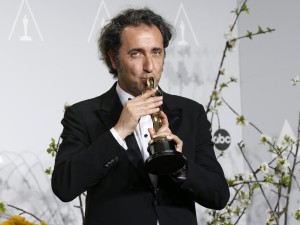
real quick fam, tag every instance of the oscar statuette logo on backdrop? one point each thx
(25, 19)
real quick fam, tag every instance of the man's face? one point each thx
(140, 56)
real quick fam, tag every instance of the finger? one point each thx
(164, 129)
(148, 94)
(152, 103)
(151, 132)
(164, 119)
(163, 134)
(143, 107)
(177, 140)
(144, 103)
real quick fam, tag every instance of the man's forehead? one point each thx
(141, 32)
(140, 28)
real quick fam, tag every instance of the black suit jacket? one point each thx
(119, 191)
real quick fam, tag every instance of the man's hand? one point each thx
(134, 109)
(165, 131)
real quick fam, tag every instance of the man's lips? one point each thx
(144, 80)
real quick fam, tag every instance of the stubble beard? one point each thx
(136, 89)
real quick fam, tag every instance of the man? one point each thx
(105, 139)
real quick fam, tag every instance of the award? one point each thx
(163, 159)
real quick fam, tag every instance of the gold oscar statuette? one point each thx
(163, 158)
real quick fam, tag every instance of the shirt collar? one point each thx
(123, 95)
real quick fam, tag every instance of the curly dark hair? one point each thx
(110, 36)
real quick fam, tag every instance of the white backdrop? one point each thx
(49, 57)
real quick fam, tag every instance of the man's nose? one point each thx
(148, 64)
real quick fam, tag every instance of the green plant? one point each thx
(273, 179)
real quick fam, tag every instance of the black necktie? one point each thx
(134, 150)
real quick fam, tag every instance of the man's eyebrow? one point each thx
(136, 49)
(141, 49)
(157, 48)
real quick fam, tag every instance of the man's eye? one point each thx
(157, 52)
(135, 54)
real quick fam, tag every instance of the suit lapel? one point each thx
(174, 118)
(110, 108)
(173, 113)
(109, 113)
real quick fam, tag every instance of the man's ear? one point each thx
(113, 60)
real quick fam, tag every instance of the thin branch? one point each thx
(238, 15)
(292, 174)
(249, 182)
(236, 193)
(24, 212)
(81, 208)
(260, 187)
(239, 114)
(277, 206)
(296, 181)
(238, 219)
(224, 54)
(257, 33)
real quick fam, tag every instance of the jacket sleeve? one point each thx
(205, 178)
(80, 163)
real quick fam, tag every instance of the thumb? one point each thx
(152, 132)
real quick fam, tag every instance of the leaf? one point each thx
(285, 181)
(260, 30)
(223, 85)
(230, 182)
(241, 120)
(249, 34)
(48, 171)
(263, 140)
(219, 103)
(236, 11)
(222, 70)
(215, 95)
(288, 140)
(268, 178)
(53, 148)
(233, 79)
(237, 211)
(245, 8)
(296, 214)
(2, 207)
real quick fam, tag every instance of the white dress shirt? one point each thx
(141, 131)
